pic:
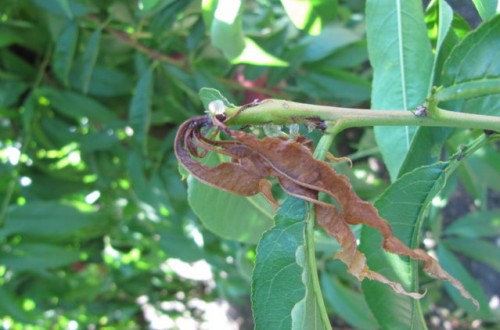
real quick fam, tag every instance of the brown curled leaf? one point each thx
(292, 163)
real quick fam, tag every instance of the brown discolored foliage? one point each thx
(291, 162)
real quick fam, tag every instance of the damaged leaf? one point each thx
(292, 164)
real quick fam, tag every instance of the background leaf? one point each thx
(65, 52)
(476, 224)
(88, 60)
(140, 106)
(453, 266)
(349, 304)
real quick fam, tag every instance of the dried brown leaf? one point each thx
(292, 163)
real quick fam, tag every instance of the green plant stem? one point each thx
(282, 112)
(320, 153)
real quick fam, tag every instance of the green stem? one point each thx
(313, 268)
(320, 152)
(284, 112)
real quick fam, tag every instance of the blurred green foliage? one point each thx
(91, 91)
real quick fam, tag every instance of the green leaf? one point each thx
(105, 81)
(10, 92)
(227, 35)
(11, 304)
(65, 7)
(331, 39)
(401, 57)
(333, 84)
(76, 106)
(226, 30)
(140, 106)
(68, 8)
(252, 53)
(469, 89)
(303, 15)
(230, 216)
(403, 205)
(476, 224)
(207, 95)
(348, 304)
(277, 278)
(483, 251)
(163, 20)
(65, 51)
(49, 220)
(37, 256)
(487, 9)
(474, 73)
(445, 17)
(455, 268)
(89, 58)
(306, 314)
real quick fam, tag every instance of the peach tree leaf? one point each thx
(277, 278)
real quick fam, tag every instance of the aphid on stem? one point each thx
(421, 111)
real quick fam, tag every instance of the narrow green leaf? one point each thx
(445, 17)
(481, 250)
(277, 278)
(476, 224)
(228, 215)
(469, 89)
(37, 256)
(163, 20)
(348, 304)
(105, 81)
(64, 52)
(68, 8)
(401, 56)
(465, 65)
(428, 141)
(487, 9)
(76, 106)
(89, 58)
(331, 39)
(403, 205)
(455, 268)
(65, 7)
(334, 84)
(44, 220)
(140, 106)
